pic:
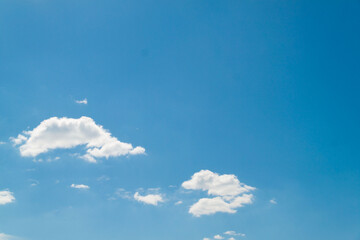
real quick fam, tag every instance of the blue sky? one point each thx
(263, 96)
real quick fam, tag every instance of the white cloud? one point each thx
(152, 199)
(18, 140)
(178, 202)
(4, 236)
(79, 186)
(6, 197)
(233, 233)
(215, 184)
(208, 206)
(206, 238)
(218, 237)
(229, 191)
(33, 182)
(1, 142)
(84, 101)
(273, 201)
(231, 238)
(65, 133)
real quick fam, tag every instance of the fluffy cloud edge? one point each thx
(151, 199)
(6, 197)
(229, 192)
(66, 133)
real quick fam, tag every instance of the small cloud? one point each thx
(273, 201)
(6, 197)
(231, 238)
(18, 140)
(1, 143)
(40, 160)
(80, 186)
(218, 237)
(152, 199)
(233, 233)
(84, 101)
(154, 189)
(206, 239)
(103, 178)
(122, 193)
(52, 159)
(178, 202)
(33, 182)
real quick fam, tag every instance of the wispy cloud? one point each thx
(178, 202)
(273, 201)
(103, 178)
(84, 101)
(233, 233)
(80, 186)
(4, 236)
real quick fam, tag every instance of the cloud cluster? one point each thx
(6, 197)
(65, 133)
(80, 186)
(229, 193)
(152, 199)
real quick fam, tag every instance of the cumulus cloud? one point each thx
(218, 237)
(6, 197)
(152, 199)
(178, 202)
(273, 201)
(84, 101)
(215, 184)
(229, 191)
(80, 186)
(65, 133)
(208, 206)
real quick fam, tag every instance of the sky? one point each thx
(194, 120)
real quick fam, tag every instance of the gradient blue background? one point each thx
(265, 90)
